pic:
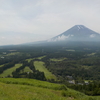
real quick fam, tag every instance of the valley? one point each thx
(76, 66)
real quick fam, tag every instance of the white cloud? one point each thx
(43, 19)
(92, 35)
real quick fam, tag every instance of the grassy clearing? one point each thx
(29, 89)
(26, 69)
(14, 53)
(92, 54)
(87, 67)
(34, 58)
(1, 65)
(60, 59)
(10, 70)
(30, 59)
(41, 57)
(39, 65)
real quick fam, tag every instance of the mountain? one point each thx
(77, 33)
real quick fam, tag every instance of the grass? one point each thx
(26, 69)
(86, 67)
(60, 59)
(33, 82)
(22, 92)
(1, 65)
(30, 59)
(10, 70)
(30, 89)
(39, 65)
(41, 57)
(34, 58)
(14, 53)
(92, 54)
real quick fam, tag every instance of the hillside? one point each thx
(77, 33)
(30, 89)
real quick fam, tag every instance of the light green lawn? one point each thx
(59, 59)
(30, 89)
(26, 69)
(1, 65)
(39, 65)
(10, 70)
(92, 54)
(30, 59)
(86, 67)
(34, 58)
(41, 57)
(14, 53)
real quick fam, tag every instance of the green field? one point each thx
(92, 54)
(14, 53)
(34, 58)
(39, 65)
(26, 69)
(1, 65)
(29, 59)
(10, 70)
(30, 89)
(60, 59)
(41, 57)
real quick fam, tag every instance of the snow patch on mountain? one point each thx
(78, 27)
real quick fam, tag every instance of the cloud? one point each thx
(34, 20)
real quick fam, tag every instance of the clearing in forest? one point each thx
(39, 65)
(26, 69)
(10, 70)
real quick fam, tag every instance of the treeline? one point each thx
(89, 89)
(6, 66)
(77, 64)
(35, 74)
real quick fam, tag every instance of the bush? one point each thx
(64, 93)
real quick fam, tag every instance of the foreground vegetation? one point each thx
(29, 89)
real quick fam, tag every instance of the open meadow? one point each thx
(39, 65)
(30, 89)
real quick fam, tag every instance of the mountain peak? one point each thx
(77, 33)
(78, 27)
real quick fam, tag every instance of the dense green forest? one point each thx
(75, 65)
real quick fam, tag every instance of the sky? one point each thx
(23, 21)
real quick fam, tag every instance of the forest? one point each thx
(77, 66)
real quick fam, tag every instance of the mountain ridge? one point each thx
(77, 33)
